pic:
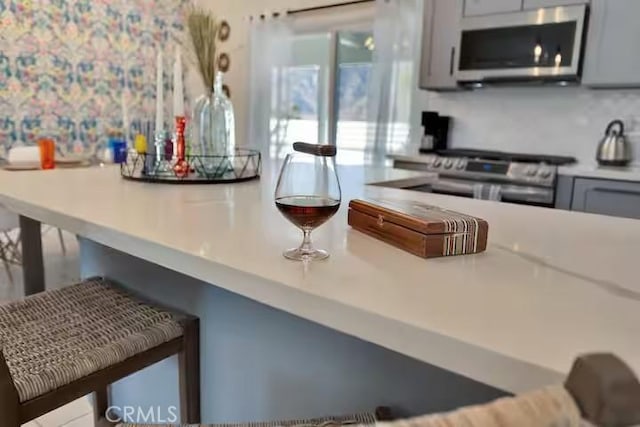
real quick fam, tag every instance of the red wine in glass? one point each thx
(308, 194)
(307, 212)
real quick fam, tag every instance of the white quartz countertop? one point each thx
(581, 170)
(553, 284)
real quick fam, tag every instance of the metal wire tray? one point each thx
(243, 165)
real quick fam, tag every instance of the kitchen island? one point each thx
(371, 325)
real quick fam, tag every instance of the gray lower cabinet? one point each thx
(564, 192)
(616, 198)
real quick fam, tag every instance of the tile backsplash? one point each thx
(550, 120)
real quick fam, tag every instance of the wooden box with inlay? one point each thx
(424, 230)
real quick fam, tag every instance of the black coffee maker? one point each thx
(436, 132)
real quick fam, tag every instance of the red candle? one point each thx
(181, 168)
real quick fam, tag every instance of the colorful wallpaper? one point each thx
(68, 68)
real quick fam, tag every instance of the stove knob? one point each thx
(460, 164)
(531, 170)
(544, 173)
(448, 164)
(437, 162)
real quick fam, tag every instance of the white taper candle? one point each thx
(125, 112)
(159, 94)
(178, 91)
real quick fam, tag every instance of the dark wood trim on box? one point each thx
(402, 237)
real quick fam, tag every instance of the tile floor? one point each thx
(59, 270)
(76, 414)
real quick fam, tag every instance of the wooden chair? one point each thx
(600, 389)
(60, 345)
(380, 414)
(606, 390)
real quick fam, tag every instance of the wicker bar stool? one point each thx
(60, 345)
(601, 390)
(380, 414)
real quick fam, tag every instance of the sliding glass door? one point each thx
(321, 97)
(353, 70)
(300, 104)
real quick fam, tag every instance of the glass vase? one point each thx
(216, 129)
(196, 126)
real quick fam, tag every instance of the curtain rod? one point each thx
(328, 6)
(312, 9)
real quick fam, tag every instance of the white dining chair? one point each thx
(10, 252)
(9, 248)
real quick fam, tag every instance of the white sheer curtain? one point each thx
(393, 84)
(270, 51)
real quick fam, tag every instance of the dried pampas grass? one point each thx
(203, 30)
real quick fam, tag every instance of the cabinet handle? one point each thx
(616, 191)
(453, 55)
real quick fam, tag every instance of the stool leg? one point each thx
(189, 367)
(100, 406)
(9, 401)
(32, 263)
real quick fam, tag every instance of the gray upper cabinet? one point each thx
(537, 4)
(441, 30)
(487, 7)
(617, 198)
(612, 57)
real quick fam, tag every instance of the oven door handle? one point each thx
(455, 186)
(507, 191)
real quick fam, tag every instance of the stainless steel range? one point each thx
(517, 178)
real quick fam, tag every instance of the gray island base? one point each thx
(260, 363)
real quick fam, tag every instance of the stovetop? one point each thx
(496, 166)
(504, 156)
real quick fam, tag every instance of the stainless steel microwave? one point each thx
(542, 44)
